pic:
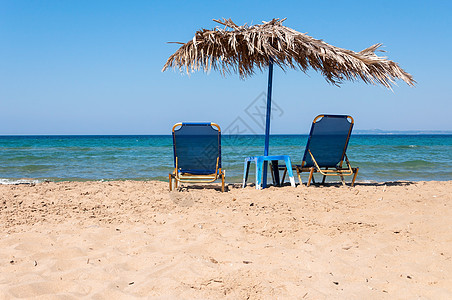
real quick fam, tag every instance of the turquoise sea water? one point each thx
(380, 157)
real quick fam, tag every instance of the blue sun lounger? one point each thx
(326, 148)
(197, 154)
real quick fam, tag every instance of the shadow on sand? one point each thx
(228, 187)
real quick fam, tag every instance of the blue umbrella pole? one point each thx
(267, 121)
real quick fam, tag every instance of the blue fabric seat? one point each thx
(197, 153)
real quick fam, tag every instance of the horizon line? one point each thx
(356, 132)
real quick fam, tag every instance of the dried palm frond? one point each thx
(242, 49)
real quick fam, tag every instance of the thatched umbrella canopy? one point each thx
(243, 49)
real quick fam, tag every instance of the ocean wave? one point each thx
(407, 146)
(415, 163)
(34, 168)
(19, 181)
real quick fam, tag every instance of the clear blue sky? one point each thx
(94, 67)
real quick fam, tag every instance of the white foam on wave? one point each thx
(367, 181)
(19, 181)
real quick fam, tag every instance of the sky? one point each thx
(94, 67)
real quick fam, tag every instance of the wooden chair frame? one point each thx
(192, 178)
(337, 171)
(326, 171)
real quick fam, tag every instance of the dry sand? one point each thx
(123, 240)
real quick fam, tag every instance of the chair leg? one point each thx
(284, 176)
(299, 175)
(276, 172)
(271, 172)
(245, 172)
(342, 179)
(354, 176)
(324, 177)
(310, 176)
(170, 182)
(222, 183)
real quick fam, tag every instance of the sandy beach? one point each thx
(131, 239)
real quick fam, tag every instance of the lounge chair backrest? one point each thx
(197, 147)
(328, 140)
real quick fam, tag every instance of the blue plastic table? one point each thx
(260, 160)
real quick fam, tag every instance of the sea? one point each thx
(380, 157)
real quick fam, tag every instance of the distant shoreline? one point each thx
(42, 181)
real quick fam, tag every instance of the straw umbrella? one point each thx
(245, 49)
